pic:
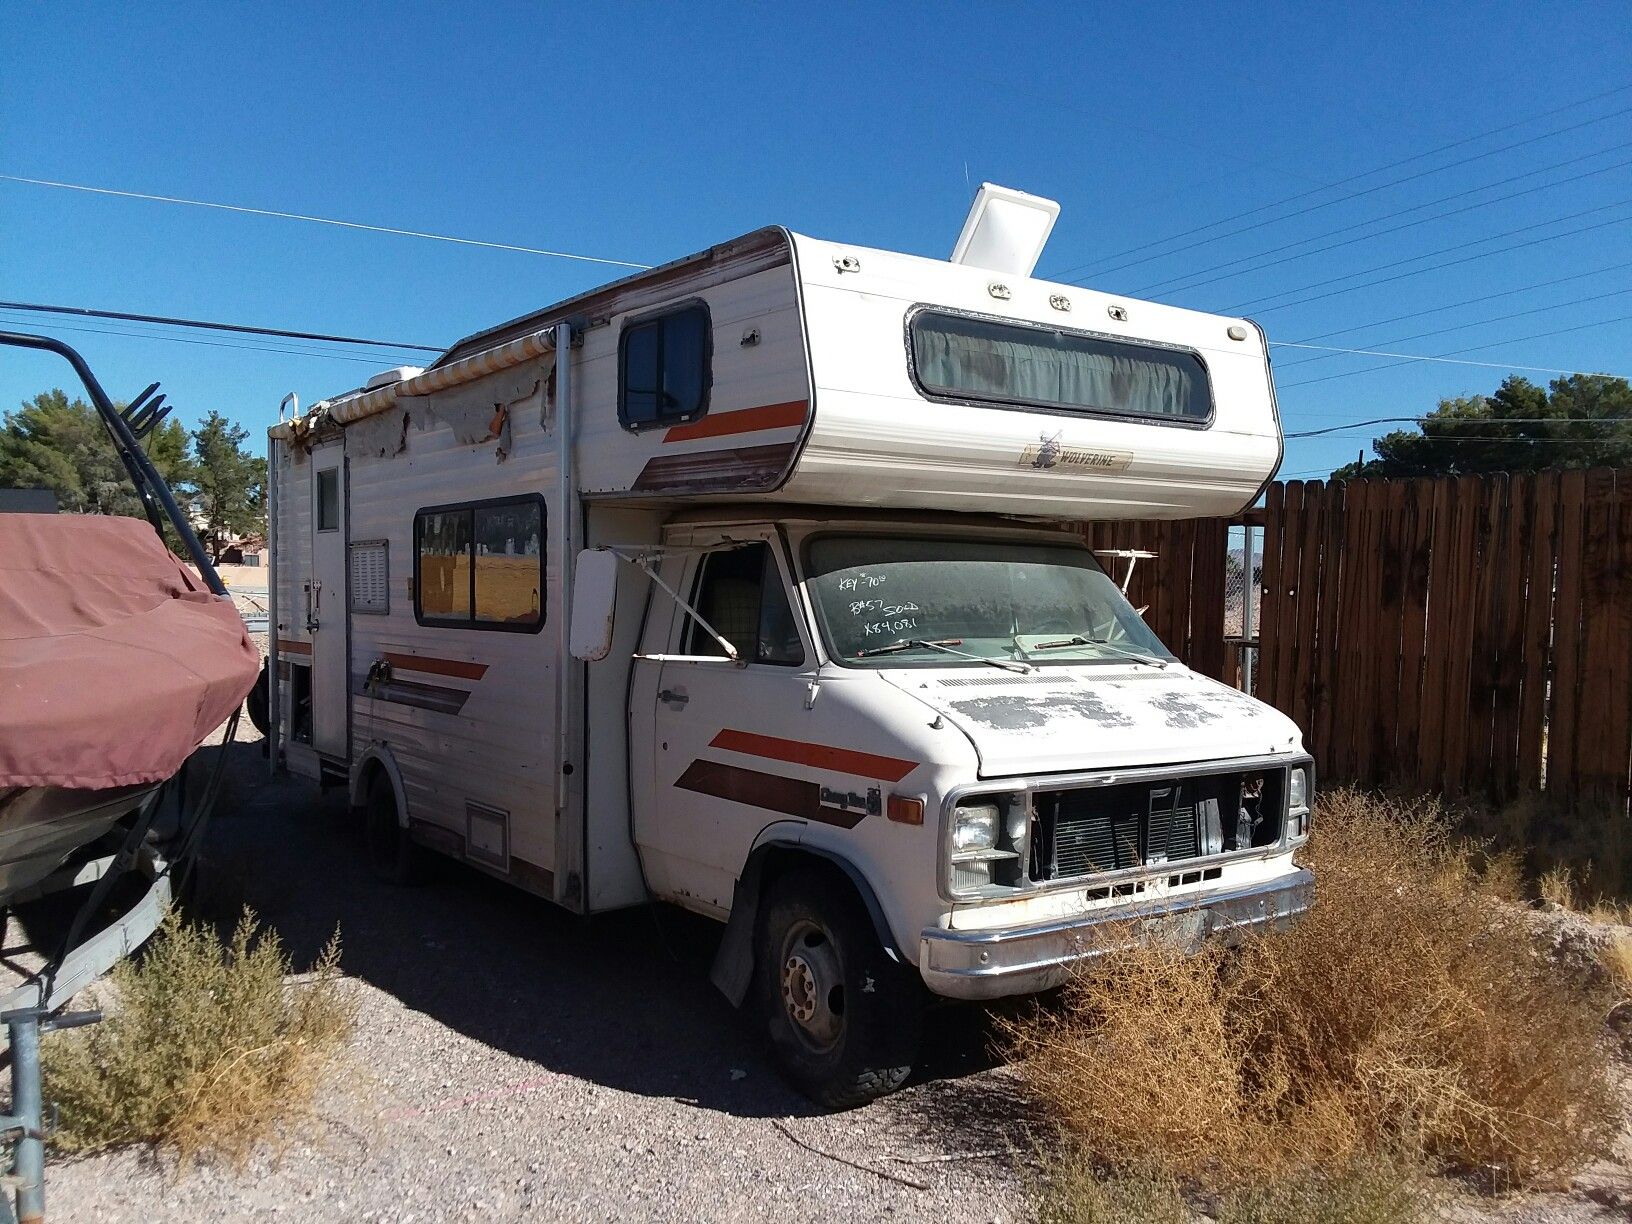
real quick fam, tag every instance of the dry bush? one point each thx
(1407, 1012)
(208, 1048)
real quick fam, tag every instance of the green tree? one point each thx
(1578, 421)
(61, 444)
(228, 484)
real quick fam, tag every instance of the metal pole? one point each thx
(1249, 654)
(566, 554)
(28, 1160)
(274, 687)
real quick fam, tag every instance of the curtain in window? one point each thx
(981, 360)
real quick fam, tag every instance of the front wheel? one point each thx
(843, 1016)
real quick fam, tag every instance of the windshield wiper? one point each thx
(944, 645)
(1079, 640)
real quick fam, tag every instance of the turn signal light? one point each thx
(906, 810)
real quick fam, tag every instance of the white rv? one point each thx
(755, 583)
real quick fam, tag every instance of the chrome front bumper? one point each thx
(989, 964)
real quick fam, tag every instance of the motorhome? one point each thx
(756, 584)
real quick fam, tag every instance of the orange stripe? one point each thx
(437, 667)
(891, 769)
(294, 647)
(747, 420)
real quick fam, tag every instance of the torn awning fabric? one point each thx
(115, 660)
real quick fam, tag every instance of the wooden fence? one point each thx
(1471, 636)
(1182, 589)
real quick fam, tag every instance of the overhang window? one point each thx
(962, 357)
(663, 369)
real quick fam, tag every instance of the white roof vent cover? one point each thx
(387, 377)
(1006, 230)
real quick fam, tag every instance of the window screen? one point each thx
(740, 593)
(480, 566)
(663, 369)
(328, 499)
(960, 357)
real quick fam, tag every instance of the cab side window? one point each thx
(740, 593)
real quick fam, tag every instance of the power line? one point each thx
(292, 216)
(1417, 314)
(1418, 420)
(1333, 350)
(1455, 246)
(1365, 173)
(210, 325)
(1448, 356)
(248, 348)
(1450, 263)
(1185, 282)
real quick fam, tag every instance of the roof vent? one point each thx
(386, 377)
(1006, 230)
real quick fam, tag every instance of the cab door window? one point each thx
(741, 594)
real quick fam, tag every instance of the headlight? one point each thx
(974, 827)
(1298, 816)
(1297, 791)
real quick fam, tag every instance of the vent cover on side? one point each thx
(371, 576)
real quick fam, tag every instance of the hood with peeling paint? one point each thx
(1099, 716)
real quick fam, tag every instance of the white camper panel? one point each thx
(460, 702)
(876, 439)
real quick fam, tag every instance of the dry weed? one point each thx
(1406, 1012)
(1557, 886)
(1617, 959)
(1073, 1193)
(208, 1049)
(1376, 1190)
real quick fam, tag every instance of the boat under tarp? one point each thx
(116, 661)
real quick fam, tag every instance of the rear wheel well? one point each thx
(372, 768)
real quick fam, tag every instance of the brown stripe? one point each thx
(747, 420)
(762, 790)
(744, 469)
(847, 760)
(437, 667)
(304, 648)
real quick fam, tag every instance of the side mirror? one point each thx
(594, 600)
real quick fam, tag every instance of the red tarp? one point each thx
(115, 660)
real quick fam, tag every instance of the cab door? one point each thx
(712, 786)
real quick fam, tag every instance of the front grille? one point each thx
(1088, 830)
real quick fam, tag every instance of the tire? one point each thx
(259, 702)
(843, 1017)
(392, 854)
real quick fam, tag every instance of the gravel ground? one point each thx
(513, 1059)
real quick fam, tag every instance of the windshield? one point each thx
(894, 601)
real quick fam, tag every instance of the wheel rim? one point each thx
(812, 981)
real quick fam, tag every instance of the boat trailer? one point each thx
(159, 845)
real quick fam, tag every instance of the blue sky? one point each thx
(645, 132)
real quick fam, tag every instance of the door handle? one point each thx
(673, 697)
(314, 603)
